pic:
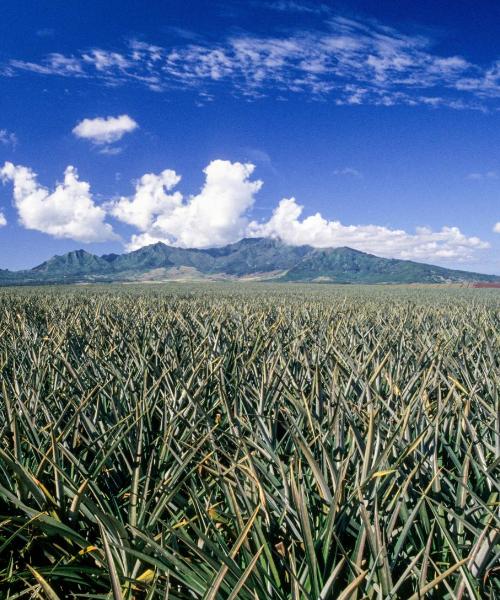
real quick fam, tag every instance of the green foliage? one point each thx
(250, 442)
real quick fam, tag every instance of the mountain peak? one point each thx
(256, 258)
(151, 247)
(75, 261)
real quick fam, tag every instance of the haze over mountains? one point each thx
(249, 259)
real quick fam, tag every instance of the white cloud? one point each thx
(3, 220)
(105, 130)
(219, 215)
(111, 150)
(349, 172)
(292, 6)
(481, 176)
(45, 32)
(496, 227)
(7, 138)
(67, 212)
(447, 244)
(352, 61)
(214, 217)
(258, 156)
(149, 201)
(103, 60)
(54, 64)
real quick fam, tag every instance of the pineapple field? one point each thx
(251, 441)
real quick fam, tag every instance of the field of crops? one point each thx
(252, 442)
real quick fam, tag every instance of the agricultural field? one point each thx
(231, 441)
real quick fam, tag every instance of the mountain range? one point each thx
(248, 259)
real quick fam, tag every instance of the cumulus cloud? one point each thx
(220, 214)
(449, 243)
(352, 61)
(496, 227)
(149, 201)
(67, 212)
(214, 217)
(105, 130)
(3, 220)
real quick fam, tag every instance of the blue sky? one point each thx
(368, 124)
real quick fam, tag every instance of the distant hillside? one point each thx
(252, 258)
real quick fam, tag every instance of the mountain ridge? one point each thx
(254, 258)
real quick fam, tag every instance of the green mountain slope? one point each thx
(345, 265)
(78, 262)
(254, 257)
